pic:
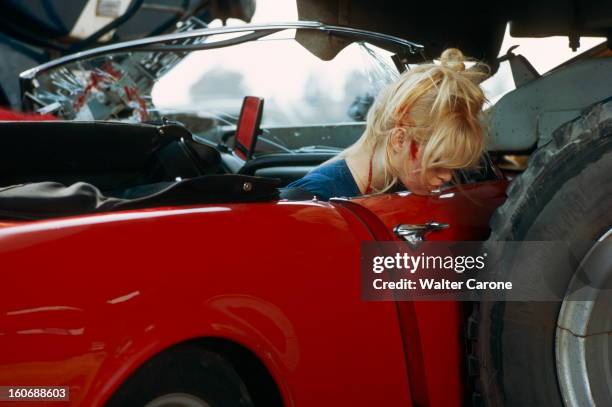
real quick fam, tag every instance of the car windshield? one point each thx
(315, 99)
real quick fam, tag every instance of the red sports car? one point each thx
(151, 255)
(147, 262)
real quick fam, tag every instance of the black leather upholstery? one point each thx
(109, 155)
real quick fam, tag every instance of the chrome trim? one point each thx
(133, 45)
(414, 234)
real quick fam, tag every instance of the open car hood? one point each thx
(476, 27)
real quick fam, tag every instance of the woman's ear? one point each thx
(399, 140)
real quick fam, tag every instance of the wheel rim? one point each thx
(583, 340)
(177, 400)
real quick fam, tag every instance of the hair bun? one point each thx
(453, 58)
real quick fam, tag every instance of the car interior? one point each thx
(129, 161)
(62, 168)
(110, 155)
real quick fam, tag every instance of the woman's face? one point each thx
(409, 170)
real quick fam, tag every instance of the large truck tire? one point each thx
(521, 353)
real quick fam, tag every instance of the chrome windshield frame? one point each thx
(157, 43)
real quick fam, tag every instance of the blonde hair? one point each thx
(437, 106)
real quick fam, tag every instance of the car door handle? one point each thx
(414, 234)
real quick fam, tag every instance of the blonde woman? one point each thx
(419, 131)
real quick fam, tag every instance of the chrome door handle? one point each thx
(414, 234)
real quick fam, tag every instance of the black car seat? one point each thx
(109, 155)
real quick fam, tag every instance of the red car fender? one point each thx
(433, 330)
(91, 298)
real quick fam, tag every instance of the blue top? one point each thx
(330, 180)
